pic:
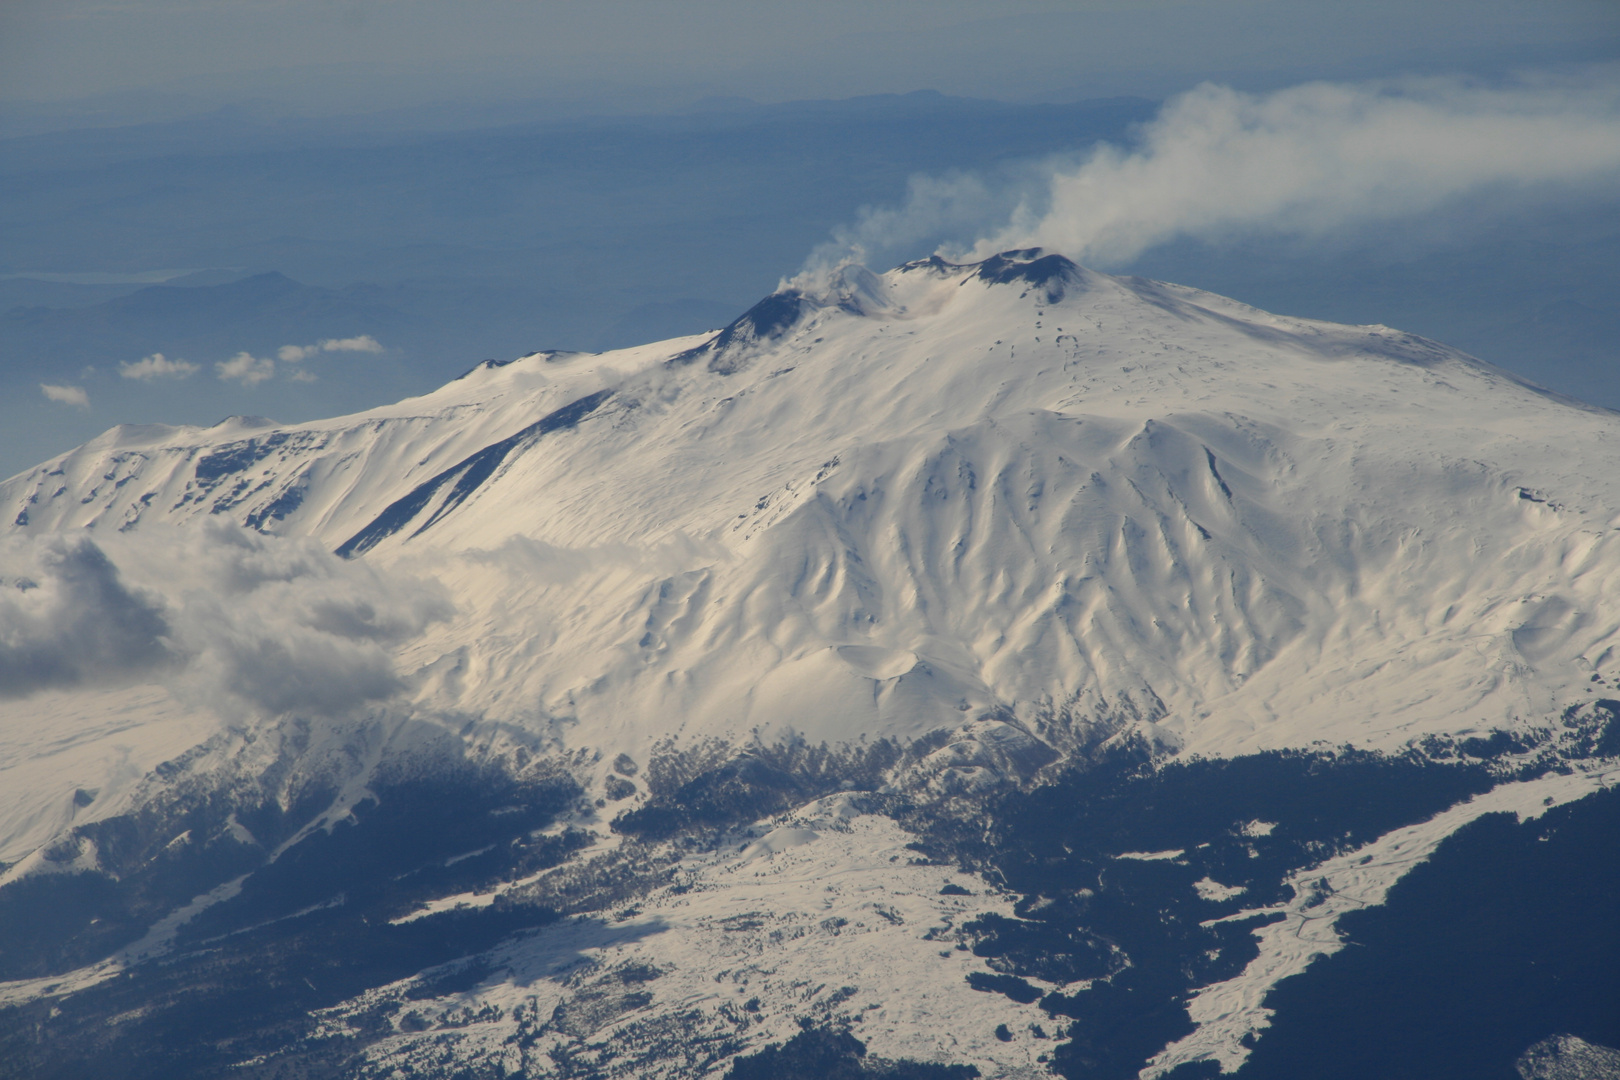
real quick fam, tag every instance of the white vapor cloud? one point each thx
(1305, 161)
(156, 366)
(222, 615)
(66, 395)
(246, 368)
(1318, 157)
(934, 206)
(293, 354)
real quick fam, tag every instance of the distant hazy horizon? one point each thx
(121, 61)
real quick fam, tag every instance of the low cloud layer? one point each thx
(1306, 161)
(235, 619)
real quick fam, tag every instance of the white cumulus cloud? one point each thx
(156, 366)
(71, 620)
(251, 370)
(66, 395)
(247, 369)
(364, 343)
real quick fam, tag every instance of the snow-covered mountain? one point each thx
(1018, 486)
(1000, 517)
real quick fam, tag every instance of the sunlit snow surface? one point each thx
(1021, 496)
(827, 914)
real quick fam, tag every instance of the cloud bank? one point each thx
(220, 614)
(1305, 161)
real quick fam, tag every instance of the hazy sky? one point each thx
(1449, 166)
(332, 56)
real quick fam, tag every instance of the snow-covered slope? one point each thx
(1017, 488)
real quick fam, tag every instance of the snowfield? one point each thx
(826, 914)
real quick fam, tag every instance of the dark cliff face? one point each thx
(765, 321)
(769, 318)
(1033, 268)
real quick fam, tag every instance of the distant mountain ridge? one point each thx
(258, 312)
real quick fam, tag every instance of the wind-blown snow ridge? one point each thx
(1015, 490)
